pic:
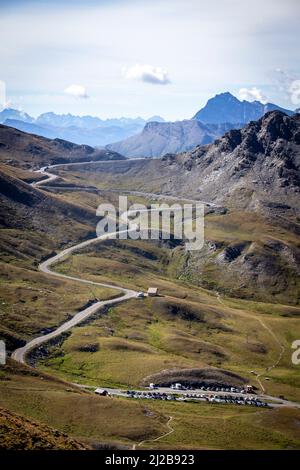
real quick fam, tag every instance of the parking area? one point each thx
(210, 398)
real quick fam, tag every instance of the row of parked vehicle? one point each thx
(211, 388)
(222, 389)
(150, 395)
(230, 399)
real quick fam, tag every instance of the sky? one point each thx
(112, 58)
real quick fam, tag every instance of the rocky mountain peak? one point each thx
(262, 135)
(276, 125)
(225, 107)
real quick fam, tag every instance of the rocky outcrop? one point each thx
(158, 138)
(261, 159)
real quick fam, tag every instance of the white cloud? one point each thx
(78, 91)
(2, 92)
(294, 90)
(3, 101)
(147, 73)
(289, 84)
(252, 94)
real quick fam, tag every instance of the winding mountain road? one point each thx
(126, 294)
(20, 354)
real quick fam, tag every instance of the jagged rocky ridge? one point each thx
(262, 158)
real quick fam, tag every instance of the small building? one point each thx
(152, 291)
(101, 391)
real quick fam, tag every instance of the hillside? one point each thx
(34, 224)
(24, 207)
(261, 161)
(159, 138)
(252, 250)
(37, 411)
(186, 334)
(244, 168)
(19, 433)
(31, 151)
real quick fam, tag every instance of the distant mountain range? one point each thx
(89, 130)
(137, 137)
(221, 113)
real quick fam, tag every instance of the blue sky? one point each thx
(139, 58)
